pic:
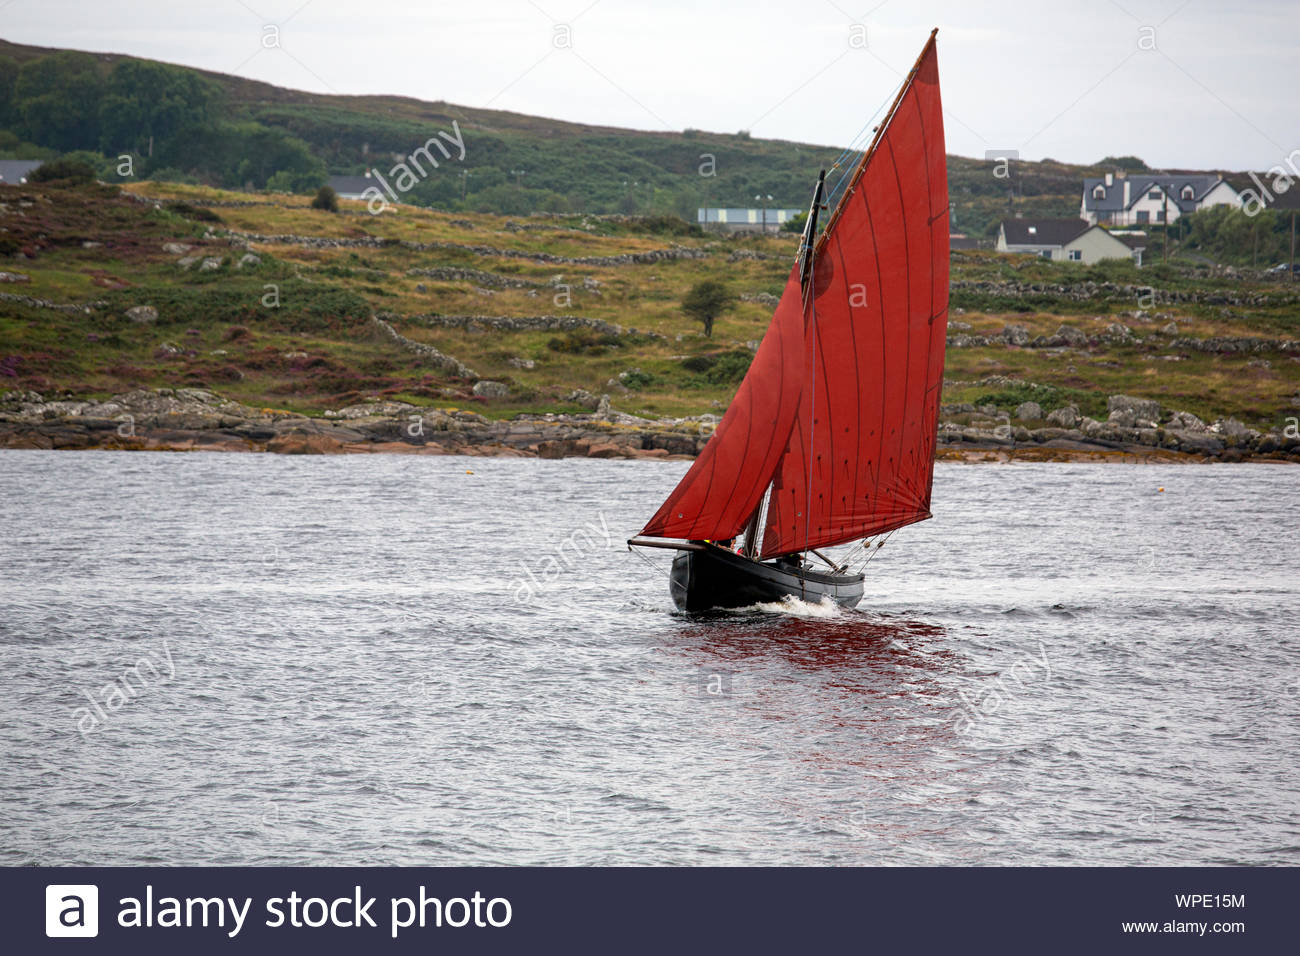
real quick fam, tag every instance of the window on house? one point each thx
(1189, 192)
(1154, 194)
(1076, 255)
(1045, 253)
(1144, 216)
(1160, 215)
(1099, 192)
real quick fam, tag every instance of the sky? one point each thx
(1189, 84)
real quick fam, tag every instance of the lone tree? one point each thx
(327, 199)
(705, 302)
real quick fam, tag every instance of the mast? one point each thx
(810, 232)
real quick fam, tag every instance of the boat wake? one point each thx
(794, 607)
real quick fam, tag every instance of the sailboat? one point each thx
(830, 438)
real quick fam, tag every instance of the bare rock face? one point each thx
(1117, 333)
(1233, 429)
(1016, 335)
(489, 389)
(603, 410)
(1067, 417)
(1028, 411)
(1186, 421)
(176, 248)
(581, 396)
(1068, 335)
(248, 259)
(143, 314)
(1128, 412)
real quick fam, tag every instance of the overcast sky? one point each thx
(1181, 83)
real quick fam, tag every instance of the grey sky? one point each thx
(1072, 80)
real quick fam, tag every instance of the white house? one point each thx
(757, 220)
(1063, 240)
(1143, 198)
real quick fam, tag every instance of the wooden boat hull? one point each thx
(717, 578)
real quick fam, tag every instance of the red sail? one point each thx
(860, 458)
(720, 492)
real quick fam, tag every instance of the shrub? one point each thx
(71, 171)
(327, 199)
(197, 213)
(583, 342)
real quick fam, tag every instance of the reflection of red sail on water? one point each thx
(831, 436)
(875, 727)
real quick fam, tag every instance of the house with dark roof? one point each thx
(1062, 240)
(13, 172)
(1142, 198)
(353, 187)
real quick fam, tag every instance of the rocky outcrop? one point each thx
(1129, 412)
(197, 419)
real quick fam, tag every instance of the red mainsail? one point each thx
(838, 412)
(860, 458)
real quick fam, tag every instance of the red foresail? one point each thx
(720, 492)
(860, 457)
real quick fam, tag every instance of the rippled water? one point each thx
(381, 659)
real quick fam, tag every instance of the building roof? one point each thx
(1142, 183)
(1134, 240)
(1288, 200)
(1043, 232)
(14, 171)
(353, 185)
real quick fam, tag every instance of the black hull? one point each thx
(713, 578)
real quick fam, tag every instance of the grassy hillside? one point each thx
(294, 329)
(245, 131)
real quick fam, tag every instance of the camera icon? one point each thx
(71, 909)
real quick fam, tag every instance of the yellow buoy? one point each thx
(468, 472)
(1160, 489)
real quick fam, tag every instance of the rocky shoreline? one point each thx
(199, 420)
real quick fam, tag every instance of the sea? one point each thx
(230, 659)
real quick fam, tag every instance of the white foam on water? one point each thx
(796, 607)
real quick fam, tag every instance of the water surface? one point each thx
(403, 660)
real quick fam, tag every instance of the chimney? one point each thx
(1110, 179)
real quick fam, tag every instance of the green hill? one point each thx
(190, 125)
